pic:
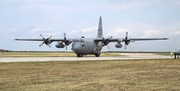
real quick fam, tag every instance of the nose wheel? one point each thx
(97, 54)
(79, 55)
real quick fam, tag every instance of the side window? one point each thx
(82, 41)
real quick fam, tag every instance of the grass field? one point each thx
(129, 75)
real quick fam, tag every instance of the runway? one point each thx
(125, 56)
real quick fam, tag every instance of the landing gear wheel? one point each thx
(97, 55)
(175, 55)
(79, 55)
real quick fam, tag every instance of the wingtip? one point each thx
(166, 38)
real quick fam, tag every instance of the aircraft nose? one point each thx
(76, 48)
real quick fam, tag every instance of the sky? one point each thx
(140, 18)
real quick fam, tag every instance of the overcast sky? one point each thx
(141, 18)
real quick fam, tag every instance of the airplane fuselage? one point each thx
(84, 46)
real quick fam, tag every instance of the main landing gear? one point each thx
(81, 55)
(176, 55)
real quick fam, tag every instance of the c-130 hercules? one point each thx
(83, 46)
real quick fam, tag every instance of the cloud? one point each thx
(87, 30)
(117, 32)
(175, 33)
(35, 30)
(150, 33)
(120, 30)
(73, 31)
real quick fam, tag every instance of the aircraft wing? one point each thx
(137, 39)
(130, 40)
(52, 40)
(48, 40)
(105, 42)
(126, 39)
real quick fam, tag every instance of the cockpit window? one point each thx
(82, 41)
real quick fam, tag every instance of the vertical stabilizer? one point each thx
(100, 31)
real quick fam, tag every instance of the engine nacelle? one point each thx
(67, 43)
(48, 41)
(118, 45)
(59, 45)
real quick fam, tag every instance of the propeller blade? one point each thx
(49, 37)
(42, 36)
(126, 35)
(60, 42)
(66, 47)
(49, 45)
(71, 40)
(126, 40)
(41, 44)
(64, 36)
(65, 42)
(110, 37)
(46, 41)
(125, 47)
(100, 44)
(108, 46)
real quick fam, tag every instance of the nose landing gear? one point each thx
(79, 55)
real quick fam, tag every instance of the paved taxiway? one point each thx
(125, 56)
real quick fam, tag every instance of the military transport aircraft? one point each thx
(83, 46)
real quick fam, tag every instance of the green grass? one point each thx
(129, 75)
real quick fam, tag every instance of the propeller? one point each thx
(106, 41)
(46, 41)
(66, 42)
(126, 41)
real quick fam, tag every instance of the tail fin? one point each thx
(100, 31)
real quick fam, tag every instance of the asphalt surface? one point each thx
(125, 56)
